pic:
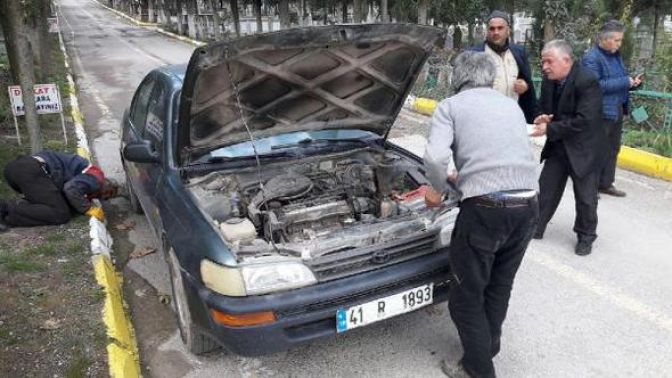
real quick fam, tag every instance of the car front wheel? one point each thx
(195, 341)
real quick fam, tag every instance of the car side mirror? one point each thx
(141, 151)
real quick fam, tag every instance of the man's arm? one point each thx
(588, 112)
(78, 190)
(438, 156)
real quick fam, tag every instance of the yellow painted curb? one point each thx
(126, 364)
(123, 357)
(629, 158)
(645, 162)
(424, 105)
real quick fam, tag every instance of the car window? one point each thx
(156, 117)
(140, 102)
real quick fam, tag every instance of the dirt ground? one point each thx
(50, 304)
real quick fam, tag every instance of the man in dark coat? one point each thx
(53, 184)
(514, 78)
(571, 119)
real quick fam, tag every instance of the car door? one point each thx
(154, 131)
(134, 129)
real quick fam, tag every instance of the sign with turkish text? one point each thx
(47, 99)
(53, 24)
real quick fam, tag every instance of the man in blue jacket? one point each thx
(605, 61)
(514, 78)
(53, 184)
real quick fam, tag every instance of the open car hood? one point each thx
(316, 78)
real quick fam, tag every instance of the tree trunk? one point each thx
(178, 11)
(384, 15)
(21, 57)
(470, 30)
(457, 38)
(191, 19)
(344, 9)
(423, 5)
(257, 15)
(302, 12)
(283, 10)
(235, 14)
(655, 28)
(357, 11)
(43, 44)
(549, 31)
(150, 11)
(216, 20)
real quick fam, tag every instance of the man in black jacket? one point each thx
(514, 78)
(571, 118)
(53, 185)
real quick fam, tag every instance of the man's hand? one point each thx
(96, 212)
(538, 130)
(432, 197)
(636, 81)
(520, 86)
(543, 118)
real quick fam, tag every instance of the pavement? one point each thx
(605, 315)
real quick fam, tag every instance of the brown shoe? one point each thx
(612, 191)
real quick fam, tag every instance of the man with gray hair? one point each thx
(605, 61)
(484, 133)
(571, 119)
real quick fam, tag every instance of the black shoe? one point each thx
(453, 370)
(583, 248)
(612, 191)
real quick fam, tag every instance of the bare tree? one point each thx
(384, 15)
(423, 6)
(20, 55)
(283, 10)
(257, 15)
(235, 15)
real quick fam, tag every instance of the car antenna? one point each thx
(252, 140)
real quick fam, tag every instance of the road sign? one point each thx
(47, 101)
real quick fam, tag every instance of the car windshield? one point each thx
(301, 139)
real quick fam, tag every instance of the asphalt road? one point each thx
(605, 315)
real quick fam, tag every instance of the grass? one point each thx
(18, 263)
(45, 249)
(657, 142)
(6, 338)
(78, 367)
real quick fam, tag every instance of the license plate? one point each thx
(384, 308)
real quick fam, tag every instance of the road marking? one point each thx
(617, 298)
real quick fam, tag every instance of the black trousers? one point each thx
(551, 187)
(486, 250)
(44, 203)
(614, 134)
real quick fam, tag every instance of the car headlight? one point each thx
(255, 279)
(446, 221)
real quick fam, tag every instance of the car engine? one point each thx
(317, 206)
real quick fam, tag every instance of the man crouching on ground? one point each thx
(54, 184)
(484, 133)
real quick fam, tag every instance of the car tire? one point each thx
(133, 198)
(194, 340)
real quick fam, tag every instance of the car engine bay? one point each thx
(318, 206)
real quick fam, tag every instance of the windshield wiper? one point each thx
(311, 142)
(226, 159)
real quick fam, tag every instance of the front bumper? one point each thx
(309, 313)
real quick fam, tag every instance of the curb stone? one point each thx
(123, 356)
(151, 25)
(629, 158)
